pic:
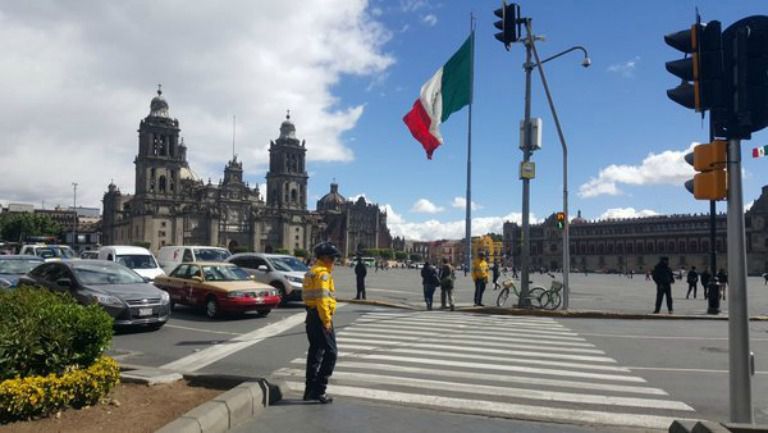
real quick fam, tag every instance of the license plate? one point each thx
(145, 312)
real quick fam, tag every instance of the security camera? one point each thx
(586, 62)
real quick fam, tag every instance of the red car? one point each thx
(219, 288)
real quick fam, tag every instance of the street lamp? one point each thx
(74, 225)
(585, 62)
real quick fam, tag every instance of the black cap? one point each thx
(327, 249)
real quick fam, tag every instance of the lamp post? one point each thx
(586, 62)
(74, 225)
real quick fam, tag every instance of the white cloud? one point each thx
(667, 167)
(430, 20)
(625, 69)
(433, 229)
(357, 196)
(423, 205)
(78, 78)
(749, 205)
(461, 203)
(413, 5)
(627, 212)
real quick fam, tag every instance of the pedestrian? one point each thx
(447, 277)
(722, 281)
(360, 273)
(765, 277)
(631, 274)
(514, 272)
(480, 277)
(319, 297)
(664, 278)
(647, 275)
(693, 281)
(430, 282)
(705, 280)
(495, 274)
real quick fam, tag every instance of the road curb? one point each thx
(585, 314)
(229, 409)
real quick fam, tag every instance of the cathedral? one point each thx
(172, 206)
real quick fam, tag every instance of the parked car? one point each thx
(172, 256)
(137, 258)
(123, 293)
(219, 287)
(48, 252)
(12, 267)
(89, 255)
(283, 272)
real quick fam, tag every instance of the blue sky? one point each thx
(79, 77)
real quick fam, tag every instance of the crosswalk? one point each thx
(515, 367)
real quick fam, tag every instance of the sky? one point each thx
(77, 77)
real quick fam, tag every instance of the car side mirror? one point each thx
(197, 279)
(262, 268)
(64, 282)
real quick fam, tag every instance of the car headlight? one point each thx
(165, 297)
(295, 279)
(108, 300)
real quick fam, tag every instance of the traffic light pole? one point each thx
(524, 302)
(740, 369)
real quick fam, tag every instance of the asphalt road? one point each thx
(687, 361)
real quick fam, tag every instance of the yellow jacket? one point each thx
(480, 270)
(319, 292)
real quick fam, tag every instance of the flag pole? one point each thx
(468, 224)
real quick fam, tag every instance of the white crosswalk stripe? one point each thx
(517, 367)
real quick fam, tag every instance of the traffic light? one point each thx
(710, 161)
(560, 220)
(508, 24)
(702, 68)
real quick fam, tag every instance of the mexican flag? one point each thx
(448, 91)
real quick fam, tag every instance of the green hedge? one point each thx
(44, 333)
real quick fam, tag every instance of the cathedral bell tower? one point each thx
(287, 176)
(161, 156)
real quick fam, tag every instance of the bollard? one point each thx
(713, 292)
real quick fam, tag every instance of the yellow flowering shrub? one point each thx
(34, 396)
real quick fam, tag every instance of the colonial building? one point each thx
(353, 225)
(635, 244)
(172, 206)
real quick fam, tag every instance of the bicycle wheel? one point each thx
(537, 296)
(503, 295)
(554, 301)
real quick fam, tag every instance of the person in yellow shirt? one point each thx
(480, 276)
(319, 295)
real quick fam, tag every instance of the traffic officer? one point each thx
(480, 276)
(319, 297)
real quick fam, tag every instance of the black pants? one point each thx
(691, 287)
(360, 288)
(662, 291)
(479, 289)
(322, 354)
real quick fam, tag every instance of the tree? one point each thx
(401, 256)
(386, 254)
(282, 251)
(416, 257)
(17, 226)
(299, 252)
(496, 237)
(371, 252)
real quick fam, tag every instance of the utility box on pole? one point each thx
(534, 127)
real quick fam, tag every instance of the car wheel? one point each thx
(212, 308)
(263, 313)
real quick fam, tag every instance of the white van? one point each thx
(137, 258)
(172, 256)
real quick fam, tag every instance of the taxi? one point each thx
(219, 288)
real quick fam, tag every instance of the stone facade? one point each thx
(636, 244)
(172, 206)
(353, 225)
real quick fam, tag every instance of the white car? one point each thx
(48, 252)
(283, 272)
(139, 259)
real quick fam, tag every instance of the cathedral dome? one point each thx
(287, 129)
(159, 107)
(331, 201)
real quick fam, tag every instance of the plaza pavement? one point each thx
(603, 292)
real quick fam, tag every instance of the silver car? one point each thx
(283, 272)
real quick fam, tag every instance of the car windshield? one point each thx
(105, 273)
(137, 261)
(224, 273)
(18, 266)
(54, 251)
(211, 255)
(288, 264)
(63, 251)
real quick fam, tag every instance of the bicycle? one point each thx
(552, 298)
(534, 294)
